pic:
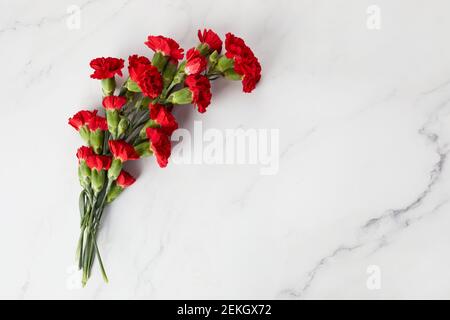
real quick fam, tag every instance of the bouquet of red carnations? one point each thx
(138, 121)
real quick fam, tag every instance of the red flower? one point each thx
(160, 145)
(245, 62)
(236, 47)
(98, 162)
(163, 117)
(167, 46)
(210, 38)
(145, 75)
(97, 122)
(125, 179)
(84, 152)
(136, 65)
(151, 82)
(195, 62)
(81, 118)
(200, 87)
(105, 68)
(251, 72)
(114, 102)
(122, 150)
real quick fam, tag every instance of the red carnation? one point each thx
(250, 70)
(122, 150)
(195, 62)
(210, 38)
(98, 162)
(150, 82)
(136, 65)
(236, 47)
(160, 145)
(167, 46)
(81, 118)
(200, 87)
(145, 75)
(163, 117)
(105, 68)
(245, 62)
(97, 122)
(84, 152)
(125, 179)
(114, 102)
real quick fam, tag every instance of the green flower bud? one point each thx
(159, 61)
(145, 102)
(180, 75)
(108, 86)
(143, 149)
(133, 86)
(96, 140)
(97, 180)
(124, 123)
(112, 117)
(224, 64)
(84, 133)
(213, 58)
(230, 74)
(203, 48)
(84, 169)
(181, 67)
(114, 170)
(183, 96)
(84, 179)
(113, 193)
(149, 124)
(169, 73)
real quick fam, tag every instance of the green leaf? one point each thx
(133, 86)
(102, 268)
(79, 253)
(82, 204)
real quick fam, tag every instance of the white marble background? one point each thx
(364, 120)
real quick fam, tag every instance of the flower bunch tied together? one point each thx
(136, 120)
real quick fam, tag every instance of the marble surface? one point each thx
(359, 207)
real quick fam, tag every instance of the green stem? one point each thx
(167, 91)
(102, 268)
(88, 254)
(102, 205)
(79, 253)
(136, 127)
(91, 248)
